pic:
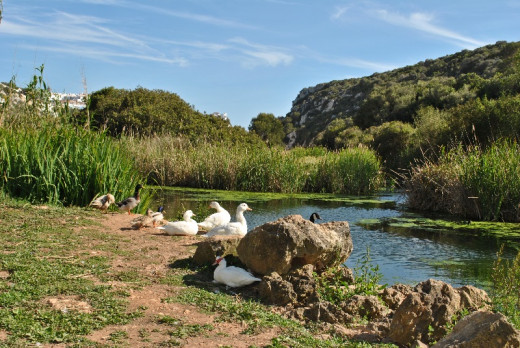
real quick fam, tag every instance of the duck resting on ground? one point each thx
(186, 227)
(314, 217)
(143, 221)
(232, 276)
(131, 202)
(238, 228)
(221, 217)
(103, 202)
(158, 216)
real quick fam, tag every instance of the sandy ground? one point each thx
(152, 254)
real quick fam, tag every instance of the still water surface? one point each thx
(402, 257)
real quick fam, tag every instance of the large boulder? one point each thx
(292, 242)
(424, 313)
(208, 249)
(482, 329)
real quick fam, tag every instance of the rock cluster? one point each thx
(289, 252)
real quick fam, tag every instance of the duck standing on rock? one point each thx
(221, 217)
(238, 228)
(232, 276)
(186, 227)
(143, 221)
(103, 202)
(131, 202)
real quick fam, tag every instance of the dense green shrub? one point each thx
(144, 112)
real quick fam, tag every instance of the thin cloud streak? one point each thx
(261, 54)
(423, 22)
(201, 18)
(105, 55)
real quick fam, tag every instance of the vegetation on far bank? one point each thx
(434, 130)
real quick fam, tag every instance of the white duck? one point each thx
(238, 228)
(186, 227)
(232, 276)
(221, 217)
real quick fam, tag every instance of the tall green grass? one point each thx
(64, 165)
(472, 182)
(175, 162)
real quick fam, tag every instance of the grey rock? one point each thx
(291, 242)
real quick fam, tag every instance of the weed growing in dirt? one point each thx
(333, 287)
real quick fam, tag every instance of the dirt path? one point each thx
(151, 254)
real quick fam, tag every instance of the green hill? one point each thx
(343, 112)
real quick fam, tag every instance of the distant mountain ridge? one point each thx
(396, 94)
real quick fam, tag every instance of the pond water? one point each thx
(403, 256)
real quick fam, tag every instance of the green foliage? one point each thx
(269, 129)
(333, 287)
(432, 127)
(506, 287)
(493, 176)
(175, 162)
(64, 166)
(471, 182)
(394, 142)
(144, 112)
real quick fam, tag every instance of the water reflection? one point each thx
(402, 256)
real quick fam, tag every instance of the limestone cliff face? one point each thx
(315, 107)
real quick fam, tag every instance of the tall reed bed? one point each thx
(175, 162)
(64, 165)
(471, 182)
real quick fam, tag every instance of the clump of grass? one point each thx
(177, 162)
(506, 287)
(64, 166)
(471, 182)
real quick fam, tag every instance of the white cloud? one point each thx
(339, 12)
(424, 22)
(85, 36)
(261, 54)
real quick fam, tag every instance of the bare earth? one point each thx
(151, 253)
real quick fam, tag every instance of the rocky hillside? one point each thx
(398, 94)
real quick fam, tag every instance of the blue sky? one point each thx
(241, 57)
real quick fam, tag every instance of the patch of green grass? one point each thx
(118, 336)
(42, 255)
